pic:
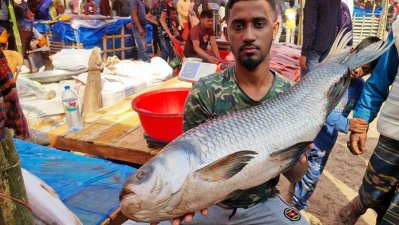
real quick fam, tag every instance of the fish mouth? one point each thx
(125, 193)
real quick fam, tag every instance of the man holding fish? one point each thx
(244, 127)
(252, 26)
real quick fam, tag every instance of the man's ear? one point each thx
(226, 35)
(276, 26)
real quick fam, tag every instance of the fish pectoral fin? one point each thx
(292, 152)
(226, 167)
(337, 91)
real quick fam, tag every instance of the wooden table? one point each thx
(112, 132)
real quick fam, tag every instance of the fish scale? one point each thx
(243, 149)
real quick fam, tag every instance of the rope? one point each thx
(17, 200)
(16, 164)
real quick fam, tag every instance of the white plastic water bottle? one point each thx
(71, 108)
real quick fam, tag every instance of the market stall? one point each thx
(111, 34)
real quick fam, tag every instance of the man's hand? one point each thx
(296, 173)
(357, 143)
(173, 39)
(358, 125)
(187, 218)
(302, 62)
(213, 59)
(141, 31)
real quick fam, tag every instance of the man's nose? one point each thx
(249, 34)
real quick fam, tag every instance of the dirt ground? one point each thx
(340, 182)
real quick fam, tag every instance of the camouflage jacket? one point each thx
(216, 95)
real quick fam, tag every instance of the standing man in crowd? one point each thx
(320, 28)
(105, 8)
(290, 23)
(74, 5)
(281, 7)
(380, 185)
(121, 7)
(152, 18)
(167, 28)
(139, 28)
(200, 36)
(184, 12)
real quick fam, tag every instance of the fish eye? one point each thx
(140, 175)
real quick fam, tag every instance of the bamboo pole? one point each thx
(383, 19)
(300, 30)
(13, 199)
(15, 27)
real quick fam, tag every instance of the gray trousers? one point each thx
(273, 211)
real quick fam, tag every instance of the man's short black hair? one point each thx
(365, 43)
(19, 12)
(206, 14)
(230, 4)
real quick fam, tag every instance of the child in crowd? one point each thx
(290, 23)
(336, 121)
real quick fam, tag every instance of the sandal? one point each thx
(350, 213)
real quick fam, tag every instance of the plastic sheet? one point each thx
(89, 187)
(91, 32)
(359, 12)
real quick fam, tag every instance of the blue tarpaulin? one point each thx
(91, 32)
(42, 27)
(89, 187)
(359, 12)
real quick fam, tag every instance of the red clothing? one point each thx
(200, 34)
(105, 8)
(90, 8)
(11, 114)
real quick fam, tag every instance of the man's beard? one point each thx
(251, 63)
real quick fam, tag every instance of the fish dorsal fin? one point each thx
(339, 50)
(226, 167)
(292, 152)
(337, 91)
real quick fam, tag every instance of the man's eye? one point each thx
(238, 26)
(259, 24)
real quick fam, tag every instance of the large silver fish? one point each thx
(213, 161)
(47, 208)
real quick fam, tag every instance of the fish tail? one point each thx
(339, 50)
(366, 55)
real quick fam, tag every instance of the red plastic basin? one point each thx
(161, 112)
